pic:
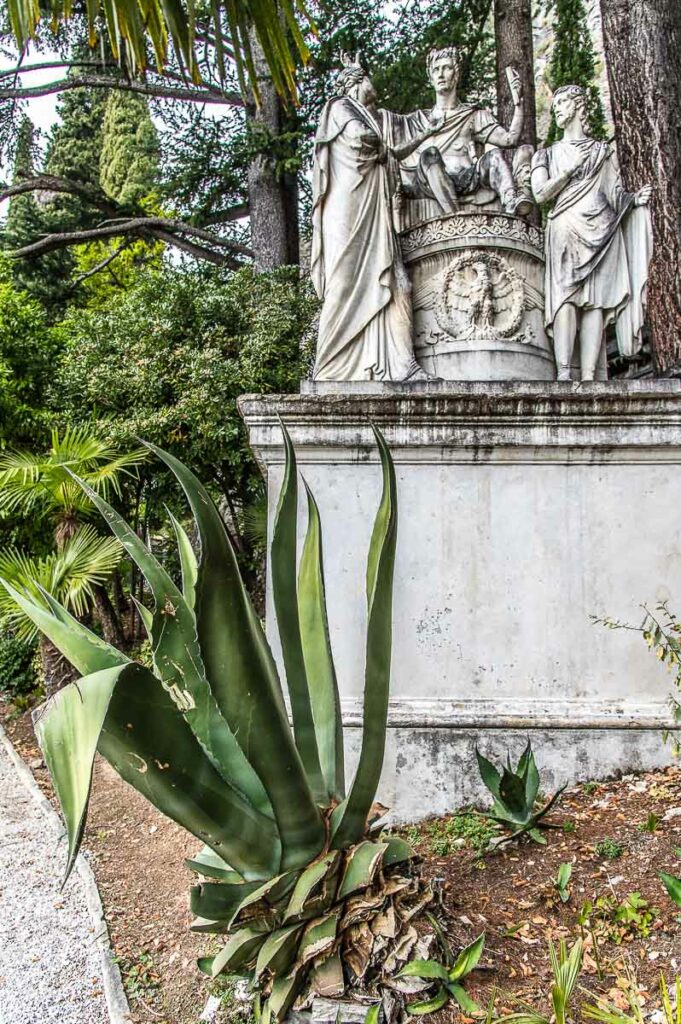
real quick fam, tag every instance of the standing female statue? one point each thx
(365, 328)
(598, 241)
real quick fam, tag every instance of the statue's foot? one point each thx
(517, 203)
(418, 374)
(564, 374)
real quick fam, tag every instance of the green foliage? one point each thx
(566, 966)
(661, 631)
(466, 828)
(573, 61)
(609, 848)
(18, 675)
(607, 1013)
(129, 157)
(515, 794)
(632, 918)
(29, 349)
(168, 360)
(446, 978)
(651, 824)
(562, 881)
(205, 736)
(673, 887)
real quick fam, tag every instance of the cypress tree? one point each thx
(573, 62)
(129, 157)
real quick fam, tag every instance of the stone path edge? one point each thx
(114, 993)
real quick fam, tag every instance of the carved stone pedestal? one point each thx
(477, 280)
(524, 509)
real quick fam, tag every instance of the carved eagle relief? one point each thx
(481, 296)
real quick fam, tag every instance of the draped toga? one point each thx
(365, 323)
(598, 243)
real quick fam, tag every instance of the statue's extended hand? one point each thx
(643, 196)
(515, 85)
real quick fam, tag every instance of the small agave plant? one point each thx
(515, 794)
(306, 895)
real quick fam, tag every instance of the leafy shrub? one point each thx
(18, 673)
(609, 848)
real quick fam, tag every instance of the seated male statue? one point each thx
(447, 168)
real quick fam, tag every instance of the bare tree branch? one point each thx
(227, 216)
(158, 227)
(51, 183)
(203, 94)
(100, 266)
(21, 69)
(198, 251)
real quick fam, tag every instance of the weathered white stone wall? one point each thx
(524, 510)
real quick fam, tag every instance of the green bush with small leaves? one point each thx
(18, 672)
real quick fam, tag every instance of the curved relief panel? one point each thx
(481, 296)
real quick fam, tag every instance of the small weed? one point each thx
(651, 824)
(609, 848)
(234, 1010)
(621, 922)
(413, 835)
(467, 828)
(569, 827)
(590, 787)
(140, 980)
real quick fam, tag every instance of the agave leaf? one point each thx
(362, 863)
(239, 951)
(349, 818)
(86, 651)
(310, 879)
(207, 862)
(327, 977)
(524, 761)
(467, 959)
(283, 562)
(512, 796)
(220, 901)
(318, 938)
(397, 851)
(68, 732)
(531, 776)
(536, 818)
(283, 994)
(468, 1005)
(278, 951)
(673, 886)
(177, 659)
(188, 563)
(149, 743)
(424, 969)
(419, 1009)
(321, 673)
(244, 680)
(147, 618)
(489, 774)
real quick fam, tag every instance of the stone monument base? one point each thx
(524, 510)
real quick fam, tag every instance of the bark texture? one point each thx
(642, 40)
(273, 196)
(513, 38)
(57, 671)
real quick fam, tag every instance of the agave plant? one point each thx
(306, 895)
(673, 886)
(515, 794)
(566, 966)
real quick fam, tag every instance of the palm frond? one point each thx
(133, 24)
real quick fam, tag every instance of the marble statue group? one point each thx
(425, 249)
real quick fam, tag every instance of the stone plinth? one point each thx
(524, 509)
(478, 297)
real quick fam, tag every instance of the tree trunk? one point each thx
(107, 618)
(57, 671)
(642, 40)
(273, 195)
(513, 39)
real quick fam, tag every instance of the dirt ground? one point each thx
(616, 836)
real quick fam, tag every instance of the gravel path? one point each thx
(50, 965)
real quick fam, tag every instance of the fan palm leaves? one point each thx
(69, 575)
(42, 485)
(132, 25)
